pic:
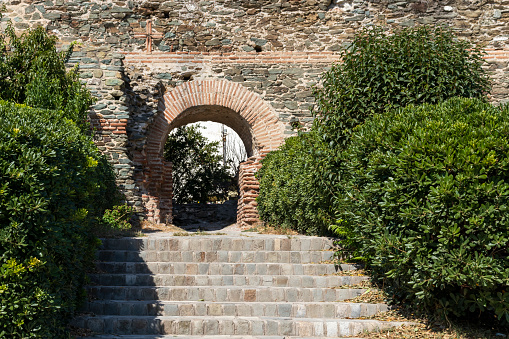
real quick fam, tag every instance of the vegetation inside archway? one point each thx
(200, 174)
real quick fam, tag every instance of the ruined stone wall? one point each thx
(133, 52)
(251, 26)
(247, 213)
(241, 25)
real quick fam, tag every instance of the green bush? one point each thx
(32, 72)
(119, 217)
(382, 70)
(291, 194)
(54, 186)
(426, 200)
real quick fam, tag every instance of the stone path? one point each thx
(234, 285)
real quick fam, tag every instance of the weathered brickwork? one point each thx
(154, 65)
(247, 213)
(215, 100)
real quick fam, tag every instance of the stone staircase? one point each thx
(238, 285)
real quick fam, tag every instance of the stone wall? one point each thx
(206, 216)
(133, 54)
(241, 25)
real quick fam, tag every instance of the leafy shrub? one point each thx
(426, 200)
(22, 298)
(382, 70)
(118, 217)
(54, 186)
(32, 72)
(291, 194)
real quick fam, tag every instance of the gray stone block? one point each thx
(229, 310)
(222, 295)
(193, 294)
(261, 269)
(227, 327)
(197, 327)
(171, 310)
(241, 326)
(251, 269)
(284, 310)
(200, 310)
(286, 327)
(244, 310)
(203, 269)
(271, 327)
(257, 327)
(297, 269)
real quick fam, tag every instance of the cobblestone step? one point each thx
(217, 268)
(211, 242)
(325, 281)
(225, 287)
(231, 325)
(294, 257)
(197, 337)
(222, 293)
(240, 309)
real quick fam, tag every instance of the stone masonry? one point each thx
(219, 285)
(154, 65)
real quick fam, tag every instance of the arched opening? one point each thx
(218, 114)
(205, 159)
(219, 101)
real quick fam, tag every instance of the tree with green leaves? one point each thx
(383, 69)
(412, 161)
(379, 71)
(33, 73)
(198, 172)
(55, 186)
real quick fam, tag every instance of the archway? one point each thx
(220, 101)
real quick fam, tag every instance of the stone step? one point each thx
(230, 325)
(325, 281)
(222, 268)
(225, 287)
(295, 257)
(240, 309)
(222, 293)
(211, 242)
(151, 336)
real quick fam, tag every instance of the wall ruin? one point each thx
(137, 56)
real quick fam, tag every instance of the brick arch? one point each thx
(221, 101)
(219, 114)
